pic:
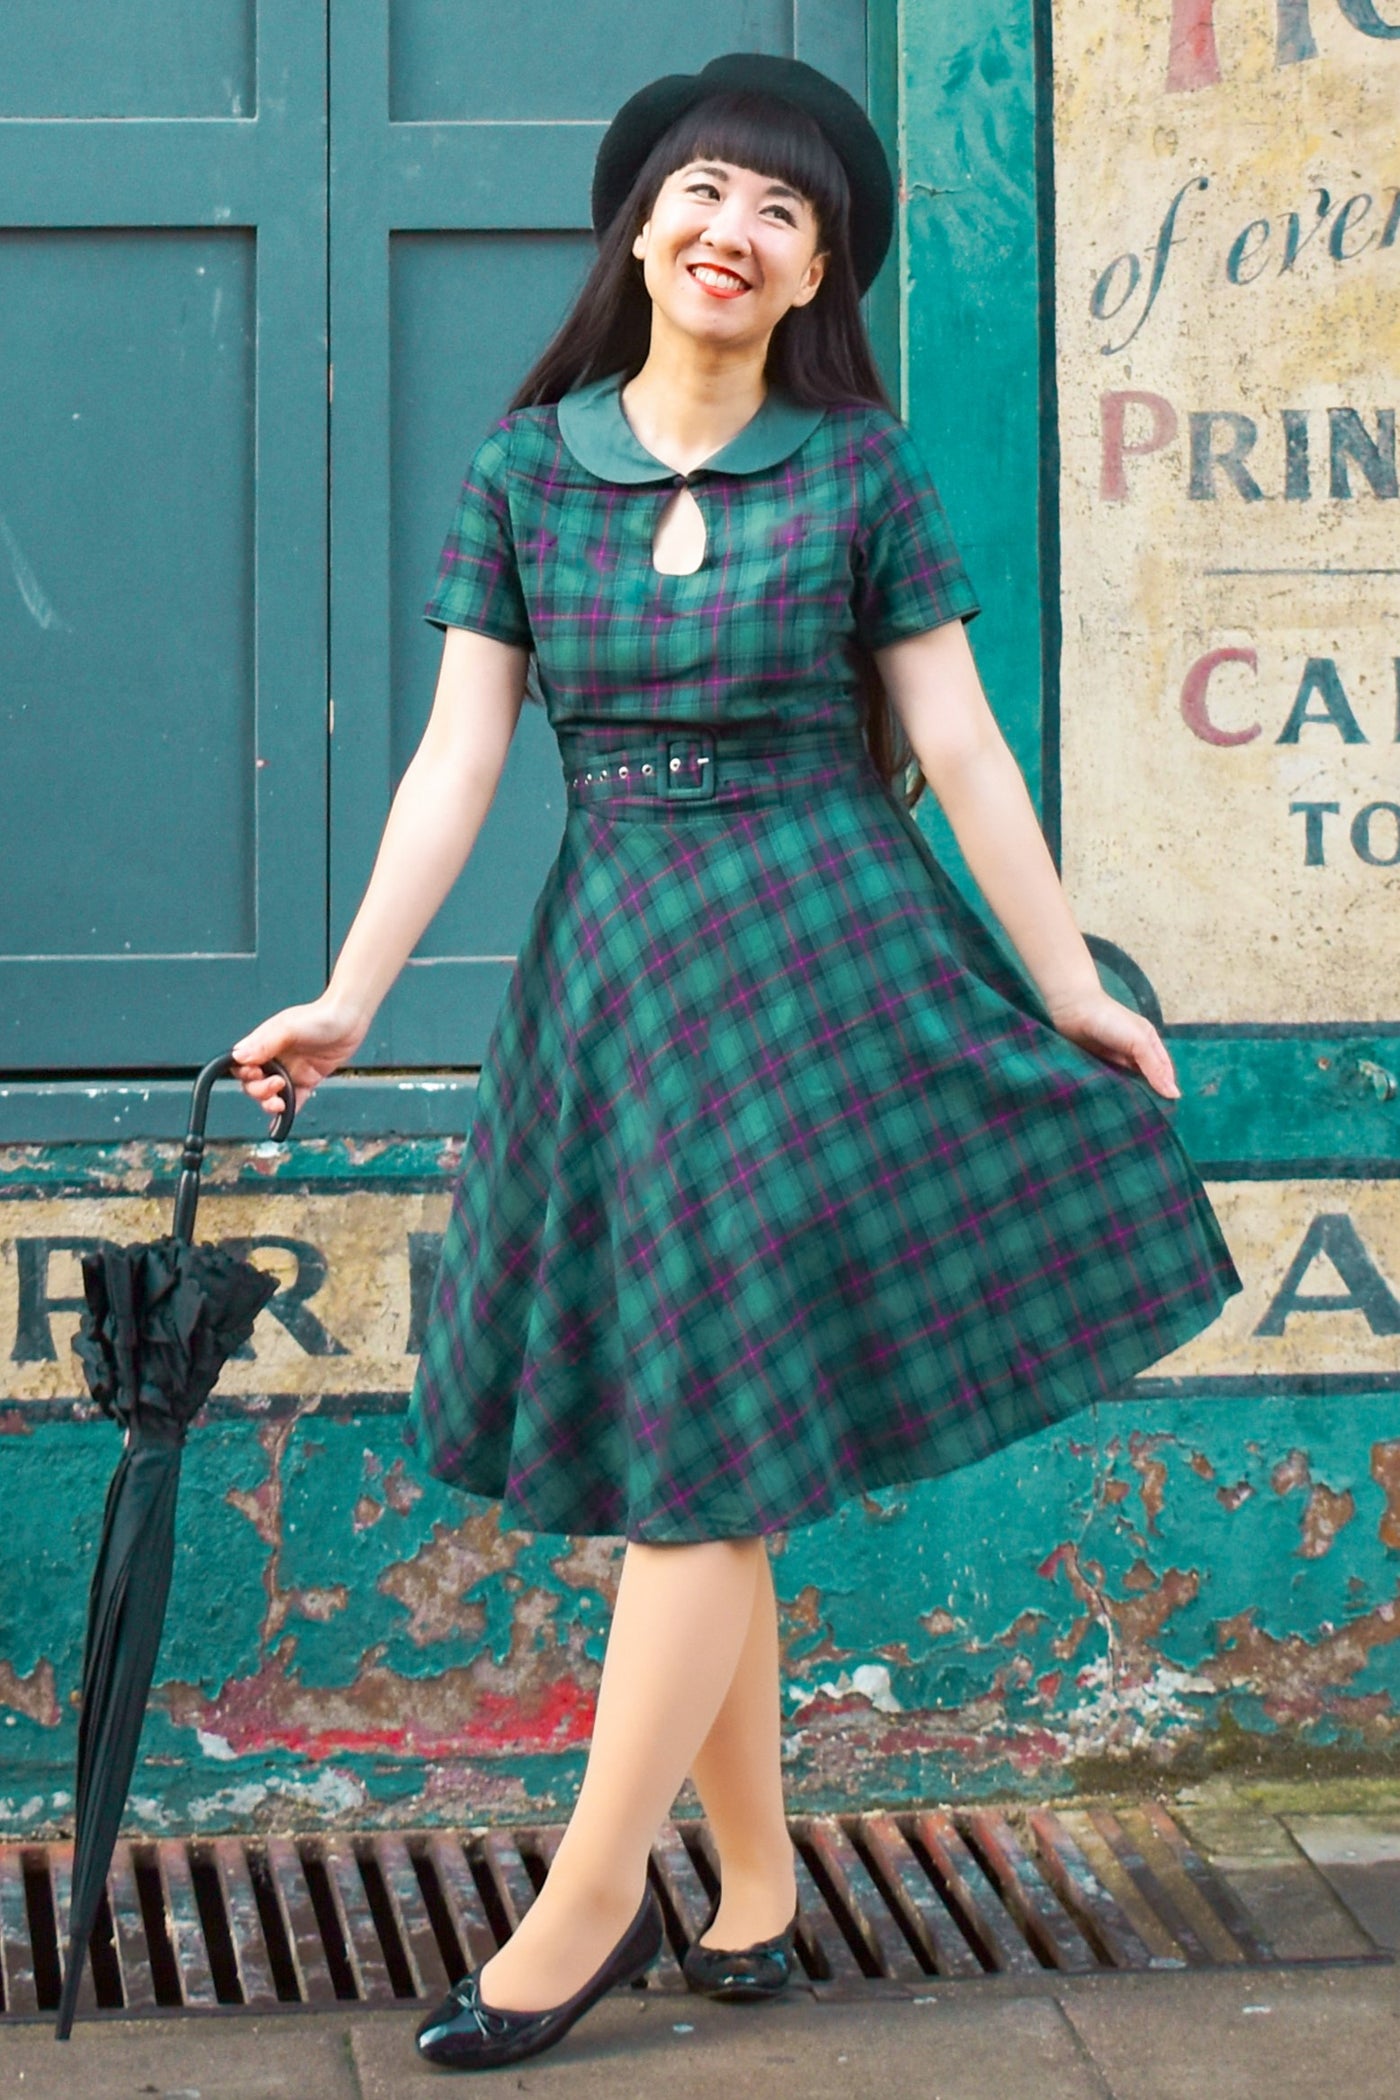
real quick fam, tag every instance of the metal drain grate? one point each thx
(381, 1919)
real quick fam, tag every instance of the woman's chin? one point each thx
(714, 328)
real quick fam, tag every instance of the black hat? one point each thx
(645, 116)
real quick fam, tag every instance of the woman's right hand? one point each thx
(312, 1041)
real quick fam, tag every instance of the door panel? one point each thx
(539, 62)
(156, 328)
(165, 571)
(127, 58)
(459, 196)
(162, 532)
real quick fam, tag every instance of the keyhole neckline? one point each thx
(678, 483)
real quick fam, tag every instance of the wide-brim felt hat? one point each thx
(651, 112)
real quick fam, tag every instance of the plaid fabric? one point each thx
(844, 533)
(780, 1185)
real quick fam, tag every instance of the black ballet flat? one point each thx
(744, 1973)
(466, 2035)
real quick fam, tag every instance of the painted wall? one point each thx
(1140, 411)
(1172, 1580)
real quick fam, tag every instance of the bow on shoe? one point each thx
(463, 2004)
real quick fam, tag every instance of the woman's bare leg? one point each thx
(679, 1625)
(738, 1775)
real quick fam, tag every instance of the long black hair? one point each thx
(819, 353)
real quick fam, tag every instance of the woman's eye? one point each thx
(693, 188)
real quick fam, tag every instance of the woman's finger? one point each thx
(257, 1082)
(1156, 1066)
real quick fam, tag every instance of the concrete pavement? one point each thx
(1232, 2033)
(1282, 2034)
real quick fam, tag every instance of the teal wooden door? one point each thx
(268, 271)
(162, 525)
(462, 144)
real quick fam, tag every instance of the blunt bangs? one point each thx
(772, 137)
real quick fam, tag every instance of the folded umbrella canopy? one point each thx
(161, 1322)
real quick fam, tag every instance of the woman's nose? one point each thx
(727, 227)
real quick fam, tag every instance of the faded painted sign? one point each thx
(1228, 330)
(1321, 1262)
(354, 1267)
(1321, 1303)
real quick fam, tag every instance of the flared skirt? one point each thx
(781, 1186)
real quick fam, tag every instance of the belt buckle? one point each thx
(688, 764)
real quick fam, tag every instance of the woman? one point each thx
(783, 1182)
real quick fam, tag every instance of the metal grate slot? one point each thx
(1051, 1933)
(43, 1934)
(828, 1855)
(358, 1919)
(243, 1915)
(102, 1955)
(1163, 1899)
(330, 1924)
(395, 1963)
(155, 1924)
(461, 1896)
(848, 1876)
(972, 1901)
(210, 1896)
(887, 1899)
(1106, 1929)
(311, 1972)
(495, 1902)
(452, 1954)
(276, 1941)
(913, 1898)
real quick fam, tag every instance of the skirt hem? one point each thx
(1102, 1377)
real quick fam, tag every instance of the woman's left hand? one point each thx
(1121, 1037)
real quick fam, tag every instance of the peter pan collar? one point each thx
(593, 424)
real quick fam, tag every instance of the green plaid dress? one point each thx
(780, 1185)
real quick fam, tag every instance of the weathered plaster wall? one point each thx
(1206, 1571)
(1173, 1580)
(1228, 259)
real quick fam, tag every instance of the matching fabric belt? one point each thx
(687, 762)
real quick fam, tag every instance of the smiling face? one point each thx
(726, 252)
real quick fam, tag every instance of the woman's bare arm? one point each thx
(933, 685)
(432, 827)
(437, 813)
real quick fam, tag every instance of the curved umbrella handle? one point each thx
(187, 1190)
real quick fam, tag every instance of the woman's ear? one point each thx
(816, 270)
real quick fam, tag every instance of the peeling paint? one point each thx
(448, 1715)
(433, 1584)
(32, 1695)
(1300, 1680)
(1324, 1517)
(1152, 1475)
(1158, 1585)
(1385, 1469)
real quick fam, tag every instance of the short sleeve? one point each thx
(909, 574)
(478, 581)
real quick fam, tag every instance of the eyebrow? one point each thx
(774, 189)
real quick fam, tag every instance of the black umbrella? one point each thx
(161, 1322)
